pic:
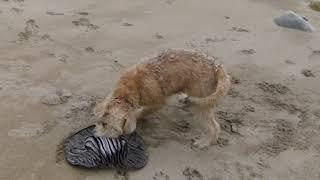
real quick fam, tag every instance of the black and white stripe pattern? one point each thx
(85, 149)
(112, 151)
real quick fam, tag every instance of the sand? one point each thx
(58, 58)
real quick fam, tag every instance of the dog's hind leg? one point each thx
(210, 128)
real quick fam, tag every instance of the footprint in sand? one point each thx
(121, 175)
(58, 97)
(127, 24)
(30, 30)
(170, 2)
(160, 176)
(82, 13)
(307, 73)
(247, 172)
(273, 88)
(248, 108)
(17, 10)
(237, 29)
(16, 1)
(314, 56)
(89, 49)
(192, 174)
(27, 130)
(233, 93)
(85, 22)
(235, 80)
(51, 13)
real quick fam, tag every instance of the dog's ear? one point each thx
(130, 122)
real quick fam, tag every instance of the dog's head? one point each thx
(115, 117)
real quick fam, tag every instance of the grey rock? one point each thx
(294, 21)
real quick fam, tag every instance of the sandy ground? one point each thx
(57, 58)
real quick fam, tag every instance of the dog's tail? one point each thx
(223, 86)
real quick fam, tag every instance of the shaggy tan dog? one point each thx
(145, 87)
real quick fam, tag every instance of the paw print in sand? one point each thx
(160, 176)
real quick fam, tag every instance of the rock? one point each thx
(294, 21)
(315, 5)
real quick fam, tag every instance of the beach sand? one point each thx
(58, 58)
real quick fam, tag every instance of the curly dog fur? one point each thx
(145, 87)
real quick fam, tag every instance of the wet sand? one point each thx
(57, 58)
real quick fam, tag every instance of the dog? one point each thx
(144, 88)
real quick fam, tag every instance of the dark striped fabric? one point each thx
(111, 151)
(85, 149)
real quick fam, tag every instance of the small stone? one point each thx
(89, 49)
(294, 21)
(288, 61)
(315, 5)
(248, 51)
(158, 36)
(63, 58)
(307, 73)
(234, 128)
